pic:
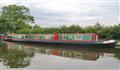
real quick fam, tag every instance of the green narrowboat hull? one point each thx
(69, 43)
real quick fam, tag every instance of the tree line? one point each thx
(17, 19)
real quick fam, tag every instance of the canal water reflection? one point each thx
(17, 56)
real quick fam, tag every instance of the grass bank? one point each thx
(118, 44)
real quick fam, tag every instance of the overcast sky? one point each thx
(50, 13)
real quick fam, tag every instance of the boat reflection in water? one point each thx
(84, 54)
(70, 53)
(19, 55)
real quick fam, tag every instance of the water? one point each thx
(19, 56)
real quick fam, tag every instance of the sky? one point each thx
(55, 13)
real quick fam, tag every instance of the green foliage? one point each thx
(14, 17)
(24, 31)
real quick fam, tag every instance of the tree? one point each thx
(15, 17)
(98, 26)
(75, 29)
(90, 29)
(115, 32)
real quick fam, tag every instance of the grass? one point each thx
(118, 44)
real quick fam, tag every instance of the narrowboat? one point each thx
(80, 39)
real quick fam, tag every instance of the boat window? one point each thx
(87, 37)
(26, 36)
(70, 37)
(49, 37)
(19, 36)
(10, 36)
(42, 36)
(7, 36)
(60, 36)
(78, 37)
(22, 36)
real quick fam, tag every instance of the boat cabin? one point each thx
(56, 37)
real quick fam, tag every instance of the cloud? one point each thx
(68, 12)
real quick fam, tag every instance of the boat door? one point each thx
(56, 37)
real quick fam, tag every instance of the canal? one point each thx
(27, 56)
